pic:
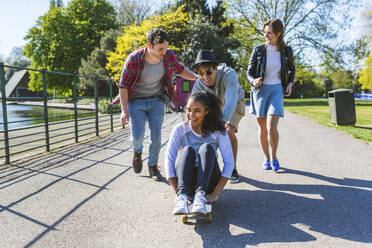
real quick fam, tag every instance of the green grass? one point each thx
(318, 110)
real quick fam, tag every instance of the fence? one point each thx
(24, 141)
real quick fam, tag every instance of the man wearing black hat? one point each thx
(222, 81)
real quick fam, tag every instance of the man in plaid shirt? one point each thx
(146, 77)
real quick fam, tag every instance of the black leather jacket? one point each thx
(257, 65)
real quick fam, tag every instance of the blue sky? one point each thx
(18, 16)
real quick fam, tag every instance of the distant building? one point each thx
(17, 86)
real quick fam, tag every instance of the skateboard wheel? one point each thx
(183, 218)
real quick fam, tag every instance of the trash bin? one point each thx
(183, 90)
(341, 106)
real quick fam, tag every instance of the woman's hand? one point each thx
(212, 197)
(217, 190)
(257, 82)
(288, 90)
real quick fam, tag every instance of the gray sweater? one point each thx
(182, 135)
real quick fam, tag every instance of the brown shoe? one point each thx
(137, 162)
(154, 173)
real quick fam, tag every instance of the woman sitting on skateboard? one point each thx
(197, 176)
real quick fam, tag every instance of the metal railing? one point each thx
(23, 140)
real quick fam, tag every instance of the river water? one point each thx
(20, 113)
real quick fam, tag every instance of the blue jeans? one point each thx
(152, 110)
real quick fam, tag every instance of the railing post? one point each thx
(110, 107)
(75, 110)
(5, 113)
(46, 117)
(96, 104)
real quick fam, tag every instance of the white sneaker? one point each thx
(199, 203)
(181, 205)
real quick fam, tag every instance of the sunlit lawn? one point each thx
(318, 110)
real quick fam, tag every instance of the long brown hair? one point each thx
(277, 26)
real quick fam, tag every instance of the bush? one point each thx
(104, 107)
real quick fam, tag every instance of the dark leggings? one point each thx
(192, 179)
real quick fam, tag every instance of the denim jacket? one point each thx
(257, 65)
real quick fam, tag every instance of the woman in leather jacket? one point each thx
(271, 72)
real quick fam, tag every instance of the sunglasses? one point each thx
(209, 72)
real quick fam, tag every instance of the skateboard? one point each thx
(196, 216)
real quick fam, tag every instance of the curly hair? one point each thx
(213, 120)
(156, 36)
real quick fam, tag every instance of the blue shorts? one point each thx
(267, 100)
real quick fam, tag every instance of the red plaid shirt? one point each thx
(133, 68)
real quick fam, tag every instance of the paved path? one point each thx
(88, 196)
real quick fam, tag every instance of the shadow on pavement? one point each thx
(75, 160)
(290, 213)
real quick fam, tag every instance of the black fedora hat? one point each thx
(205, 56)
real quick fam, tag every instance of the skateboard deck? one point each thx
(197, 216)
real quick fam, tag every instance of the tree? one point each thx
(306, 83)
(312, 27)
(17, 59)
(63, 36)
(56, 4)
(208, 29)
(206, 40)
(134, 37)
(243, 53)
(325, 80)
(342, 79)
(94, 65)
(131, 11)
(365, 75)
(194, 7)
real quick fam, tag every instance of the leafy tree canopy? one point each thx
(129, 12)
(208, 39)
(311, 27)
(134, 37)
(365, 75)
(17, 59)
(63, 36)
(208, 29)
(307, 84)
(342, 79)
(132, 11)
(56, 3)
(94, 65)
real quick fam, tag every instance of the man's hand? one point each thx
(288, 90)
(124, 117)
